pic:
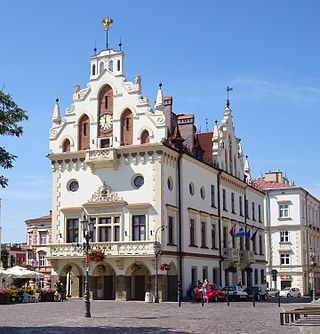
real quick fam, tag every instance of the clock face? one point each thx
(105, 122)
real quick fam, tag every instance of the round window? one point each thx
(73, 185)
(138, 181)
(191, 188)
(202, 193)
(170, 183)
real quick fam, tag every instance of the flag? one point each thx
(233, 230)
(248, 235)
(240, 233)
(253, 237)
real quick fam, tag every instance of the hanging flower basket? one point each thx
(164, 266)
(95, 256)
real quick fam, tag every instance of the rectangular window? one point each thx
(253, 211)
(192, 232)
(213, 197)
(94, 232)
(283, 210)
(259, 213)
(225, 237)
(262, 276)
(240, 206)
(261, 245)
(285, 259)
(215, 275)
(72, 230)
(256, 278)
(170, 230)
(284, 236)
(224, 200)
(232, 203)
(116, 233)
(139, 227)
(254, 246)
(42, 260)
(106, 102)
(213, 236)
(194, 277)
(42, 238)
(246, 208)
(109, 229)
(204, 273)
(203, 235)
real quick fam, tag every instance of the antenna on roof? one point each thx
(206, 124)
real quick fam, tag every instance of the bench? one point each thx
(295, 314)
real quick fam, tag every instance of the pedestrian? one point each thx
(58, 292)
(205, 288)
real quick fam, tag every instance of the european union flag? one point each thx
(240, 233)
(248, 235)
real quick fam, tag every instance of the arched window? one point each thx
(84, 133)
(145, 137)
(111, 65)
(126, 127)
(66, 145)
(93, 69)
(101, 67)
(118, 65)
(105, 108)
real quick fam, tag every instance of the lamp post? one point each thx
(157, 252)
(313, 264)
(87, 228)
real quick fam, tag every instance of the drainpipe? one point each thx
(307, 241)
(268, 225)
(220, 228)
(179, 218)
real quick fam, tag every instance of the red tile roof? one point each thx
(262, 184)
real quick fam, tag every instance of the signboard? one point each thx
(286, 277)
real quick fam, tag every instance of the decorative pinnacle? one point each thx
(160, 85)
(57, 99)
(229, 89)
(216, 122)
(107, 23)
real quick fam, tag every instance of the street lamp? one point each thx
(157, 252)
(87, 228)
(313, 264)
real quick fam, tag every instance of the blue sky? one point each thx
(268, 51)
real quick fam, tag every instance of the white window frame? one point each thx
(284, 236)
(284, 211)
(284, 259)
(42, 260)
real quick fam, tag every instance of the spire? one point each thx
(215, 135)
(159, 100)
(56, 117)
(246, 169)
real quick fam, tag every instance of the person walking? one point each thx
(205, 288)
(58, 292)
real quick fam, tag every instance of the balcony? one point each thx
(105, 157)
(230, 254)
(111, 249)
(285, 246)
(247, 256)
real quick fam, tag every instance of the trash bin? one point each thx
(148, 297)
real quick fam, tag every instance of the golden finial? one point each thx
(107, 22)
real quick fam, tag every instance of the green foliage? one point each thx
(10, 116)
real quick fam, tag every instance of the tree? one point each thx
(10, 116)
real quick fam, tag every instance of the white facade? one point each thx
(122, 163)
(292, 230)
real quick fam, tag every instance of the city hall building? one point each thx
(143, 174)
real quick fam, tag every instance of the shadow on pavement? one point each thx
(86, 330)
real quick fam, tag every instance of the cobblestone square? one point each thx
(139, 317)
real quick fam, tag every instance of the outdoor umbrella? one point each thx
(20, 272)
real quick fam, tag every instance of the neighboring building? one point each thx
(292, 230)
(16, 254)
(133, 169)
(38, 240)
